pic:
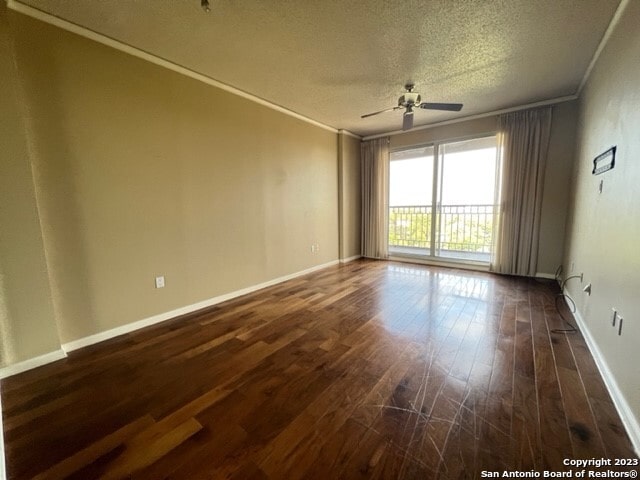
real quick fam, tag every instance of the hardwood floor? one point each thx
(367, 370)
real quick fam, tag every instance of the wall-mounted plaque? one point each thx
(605, 161)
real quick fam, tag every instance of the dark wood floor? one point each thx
(368, 370)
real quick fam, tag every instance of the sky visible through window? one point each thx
(468, 178)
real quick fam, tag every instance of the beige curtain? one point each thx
(523, 141)
(374, 158)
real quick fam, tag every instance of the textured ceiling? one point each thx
(333, 61)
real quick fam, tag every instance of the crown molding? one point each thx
(603, 42)
(38, 14)
(149, 57)
(349, 134)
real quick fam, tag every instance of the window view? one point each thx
(444, 208)
(410, 200)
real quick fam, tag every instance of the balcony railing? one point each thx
(465, 231)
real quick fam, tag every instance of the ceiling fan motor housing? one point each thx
(409, 99)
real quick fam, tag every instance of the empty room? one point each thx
(332, 240)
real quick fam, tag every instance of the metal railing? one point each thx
(460, 228)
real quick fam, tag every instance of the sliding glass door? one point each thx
(442, 200)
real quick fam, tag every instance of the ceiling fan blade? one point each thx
(381, 111)
(451, 107)
(407, 121)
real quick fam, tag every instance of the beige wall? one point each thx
(557, 175)
(27, 323)
(140, 171)
(603, 231)
(557, 181)
(472, 128)
(350, 200)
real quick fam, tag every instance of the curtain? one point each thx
(374, 162)
(523, 141)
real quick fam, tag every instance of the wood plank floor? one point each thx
(366, 370)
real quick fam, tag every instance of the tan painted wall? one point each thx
(603, 231)
(472, 128)
(557, 175)
(350, 200)
(27, 323)
(557, 185)
(143, 172)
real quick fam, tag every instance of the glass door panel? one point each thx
(466, 199)
(411, 182)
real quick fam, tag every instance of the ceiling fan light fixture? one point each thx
(409, 98)
(407, 119)
(205, 5)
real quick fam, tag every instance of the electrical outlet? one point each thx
(160, 281)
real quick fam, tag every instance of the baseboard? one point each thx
(32, 363)
(99, 337)
(350, 259)
(550, 276)
(440, 263)
(162, 317)
(629, 420)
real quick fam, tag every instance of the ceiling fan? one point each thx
(410, 100)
